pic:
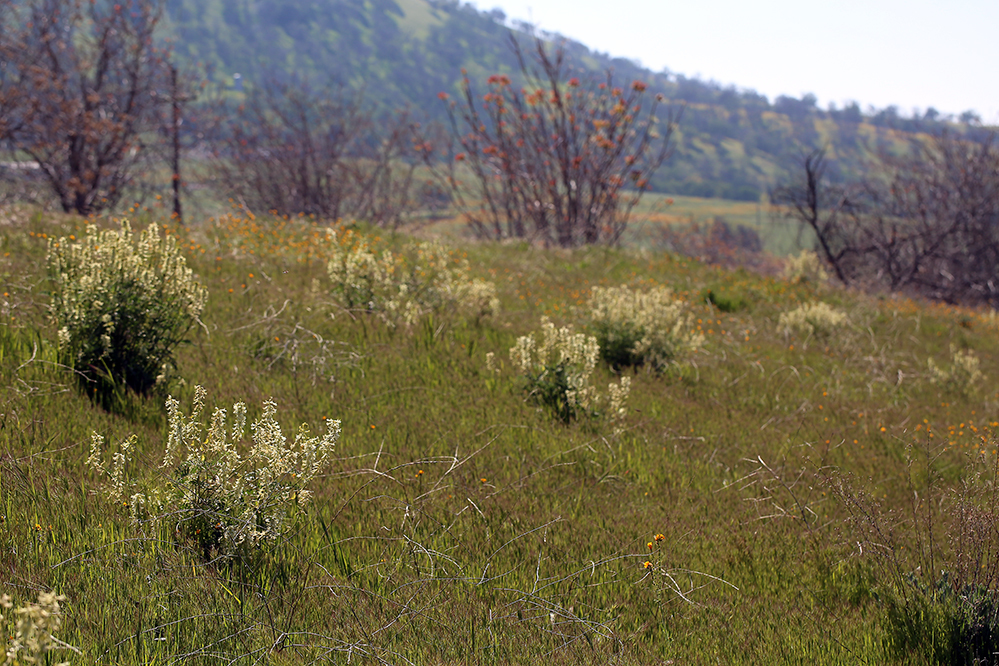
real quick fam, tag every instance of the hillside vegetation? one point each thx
(787, 488)
(731, 143)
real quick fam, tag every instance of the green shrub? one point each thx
(558, 372)
(122, 305)
(641, 327)
(726, 301)
(404, 287)
(226, 502)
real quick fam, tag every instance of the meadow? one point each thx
(732, 515)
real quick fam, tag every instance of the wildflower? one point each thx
(251, 495)
(638, 327)
(647, 565)
(36, 625)
(812, 319)
(111, 284)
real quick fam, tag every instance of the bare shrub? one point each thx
(557, 159)
(81, 91)
(291, 148)
(926, 222)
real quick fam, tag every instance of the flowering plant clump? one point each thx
(805, 267)
(225, 501)
(642, 327)
(34, 637)
(122, 305)
(403, 287)
(558, 372)
(812, 319)
(964, 370)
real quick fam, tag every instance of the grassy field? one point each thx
(461, 524)
(656, 211)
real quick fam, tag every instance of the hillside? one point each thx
(732, 143)
(787, 490)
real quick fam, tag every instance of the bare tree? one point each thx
(926, 222)
(294, 149)
(556, 160)
(80, 87)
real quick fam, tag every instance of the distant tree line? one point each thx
(729, 145)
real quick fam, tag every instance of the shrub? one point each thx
(36, 625)
(935, 562)
(558, 372)
(642, 327)
(810, 319)
(403, 287)
(805, 267)
(964, 372)
(553, 158)
(225, 502)
(122, 305)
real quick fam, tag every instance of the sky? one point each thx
(913, 54)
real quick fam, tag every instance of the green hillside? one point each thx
(732, 143)
(796, 491)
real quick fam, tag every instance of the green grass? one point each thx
(461, 524)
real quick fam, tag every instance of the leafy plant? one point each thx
(642, 327)
(226, 502)
(558, 372)
(805, 267)
(122, 305)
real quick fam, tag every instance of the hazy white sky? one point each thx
(910, 53)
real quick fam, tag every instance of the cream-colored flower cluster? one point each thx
(225, 500)
(809, 319)
(37, 624)
(403, 287)
(805, 267)
(637, 327)
(964, 372)
(559, 369)
(123, 303)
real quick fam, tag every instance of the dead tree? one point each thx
(87, 80)
(926, 222)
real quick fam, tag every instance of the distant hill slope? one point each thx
(731, 144)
